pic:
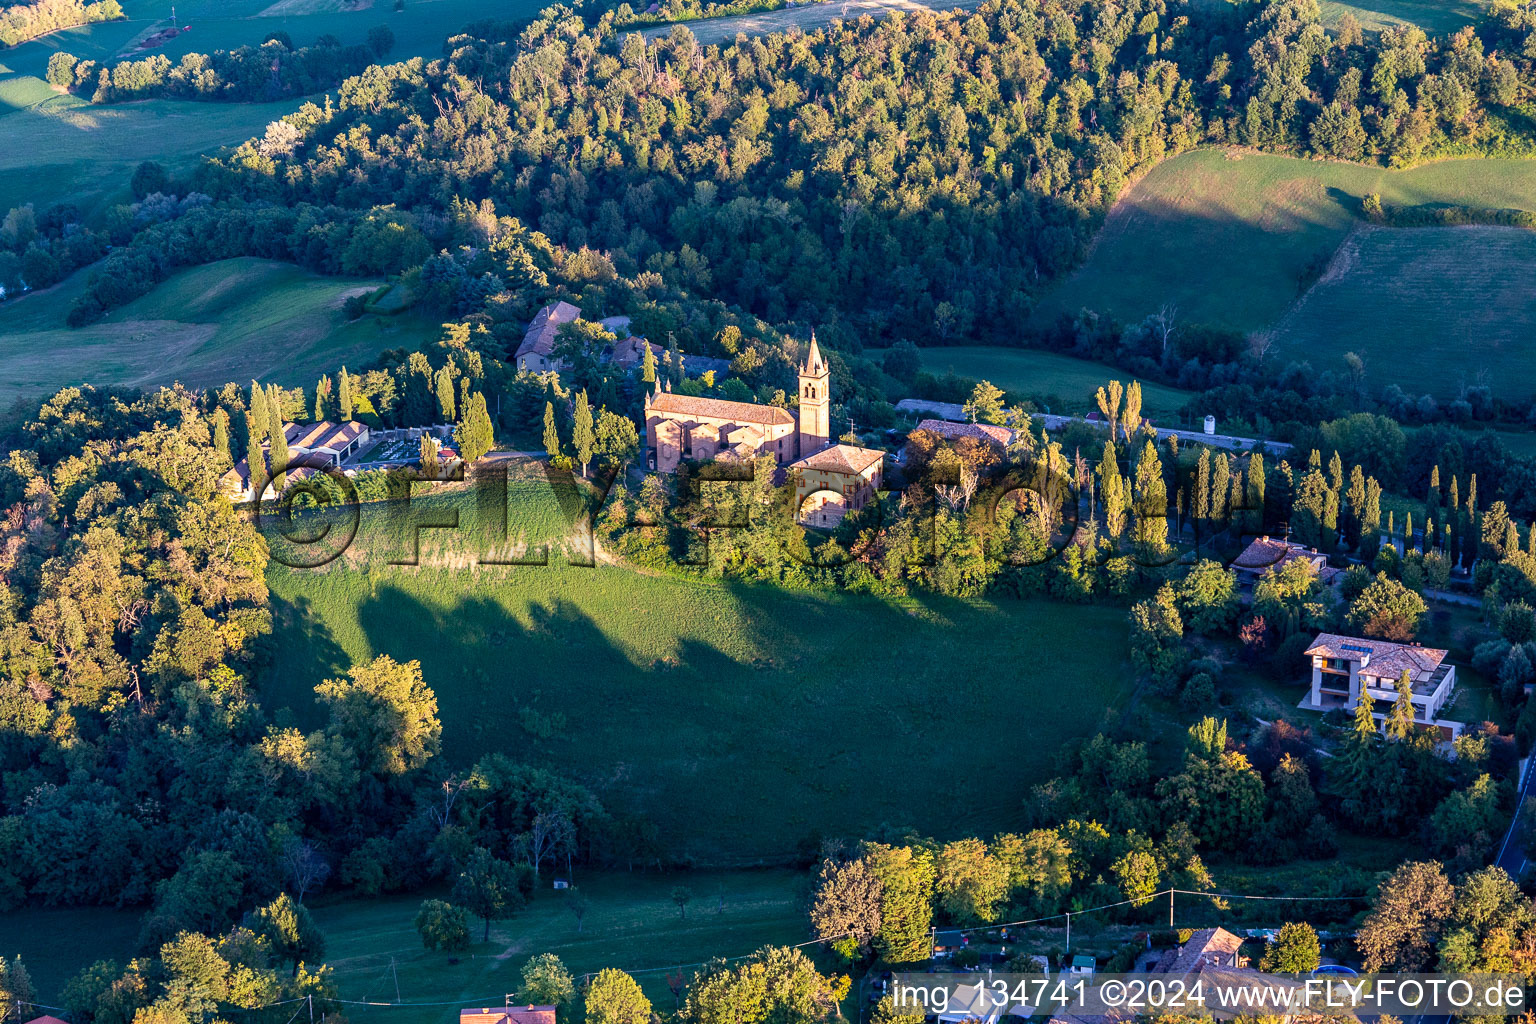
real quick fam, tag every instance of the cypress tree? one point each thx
(1408, 542)
(648, 367)
(551, 435)
(344, 403)
(582, 436)
(475, 433)
(444, 387)
(1400, 720)
(1432, 499)
(1530, 540)
(1511, 537)
(1256, 488)
(221, 437)
(674, 360)
(279, 456)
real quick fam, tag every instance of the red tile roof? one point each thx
(718, 409)
(841, 458)
(509, 1015)
(1001, 436)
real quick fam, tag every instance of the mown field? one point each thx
(1066, 384)
(232, 320)
(1229, 236)
(1431, 310)
(372, 945)
(744, 720)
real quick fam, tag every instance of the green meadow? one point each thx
(234, 320)
(745, 721)
(1229, 236)
(63, 149)
(1389, 295)
(374, 953)
(1063, 383)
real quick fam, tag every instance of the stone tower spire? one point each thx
(815, 402)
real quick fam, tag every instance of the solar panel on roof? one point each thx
(1356, 647)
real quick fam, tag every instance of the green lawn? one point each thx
(1064, 383)
(229, 321)
(1228, 237)
(56, 942)
(744, 720)
(1435, 17)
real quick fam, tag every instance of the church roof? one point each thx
(841, 458)
(718, 409)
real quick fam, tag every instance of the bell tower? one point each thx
(815, 402)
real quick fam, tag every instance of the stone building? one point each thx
(834, 478)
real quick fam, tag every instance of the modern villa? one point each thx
(1341, 665)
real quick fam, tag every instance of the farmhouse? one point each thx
(1342, 665)
(1268, 553)
(537, 352)
(836, 481)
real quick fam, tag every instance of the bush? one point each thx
(1199, 692)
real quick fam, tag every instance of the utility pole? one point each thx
(310, 999)
(1170, 907)
(397, 978)
(1069, 931)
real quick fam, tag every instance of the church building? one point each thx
(833, 478)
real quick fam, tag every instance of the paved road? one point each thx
(1511, 856)
(1193, 436)
(808, 18)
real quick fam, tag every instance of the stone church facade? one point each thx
(833, 478)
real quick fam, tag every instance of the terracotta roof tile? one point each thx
(841, 458)
(719, 409)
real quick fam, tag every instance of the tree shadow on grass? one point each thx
(300, 653)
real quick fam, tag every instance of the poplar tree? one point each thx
(582, 436)
(1256, 488)
(1202, 509)
(1113, 485)
(1221, 475)
(1109, 406)
(1151, 497)
(1132, 416)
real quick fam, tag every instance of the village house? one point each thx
(312, 448)
(1205, 949)
(990, 433)
(836, 481)
(1275, 553)
(537, 352)
(834, 478)
(1342, 665)
(529, 1014)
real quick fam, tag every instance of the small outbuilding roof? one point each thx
(841, 458)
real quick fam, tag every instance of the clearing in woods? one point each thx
(228, 321)
(745, 721)
(1062, 383)
(1233, 238)
(1429, 309)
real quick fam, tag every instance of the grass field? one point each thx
(1066, 384)
(743, 720)
(60, 148)
(1228, 236)
(229, 321)
(372, 945)
(1429, 309)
